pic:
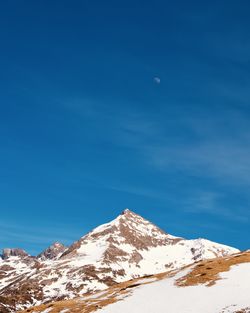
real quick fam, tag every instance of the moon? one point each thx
(157, 80)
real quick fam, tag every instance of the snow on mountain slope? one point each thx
(15, 267)
(220, 285)
(126, 248)
(229, 294)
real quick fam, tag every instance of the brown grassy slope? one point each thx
(204, 272)
(207, 272)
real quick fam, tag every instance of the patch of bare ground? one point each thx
(207, 272)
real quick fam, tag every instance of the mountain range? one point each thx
(125, 249)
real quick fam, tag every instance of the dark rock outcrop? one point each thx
(52, 252)
(8, 252)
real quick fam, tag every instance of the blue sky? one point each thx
(87, 131)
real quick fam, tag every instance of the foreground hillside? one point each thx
(220, 285)
(126, 248)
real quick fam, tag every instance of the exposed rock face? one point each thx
(7, 252)
(53, 252)
(126, 248)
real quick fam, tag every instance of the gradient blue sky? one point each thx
(86, 131)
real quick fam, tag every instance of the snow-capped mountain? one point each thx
(220, 285)
(124, 249)
(137, 247)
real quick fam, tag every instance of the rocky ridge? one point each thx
(7, 253)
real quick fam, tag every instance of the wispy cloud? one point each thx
(211, 203)
(211, 143)
(220, 160)
(218, 145)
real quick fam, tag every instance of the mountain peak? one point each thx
(130, 215)
(57, 244)
(53, 252)
(129, 230)
(127, 211)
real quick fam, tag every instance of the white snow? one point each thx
(228, 295)
(47, 310)
(92, 251)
